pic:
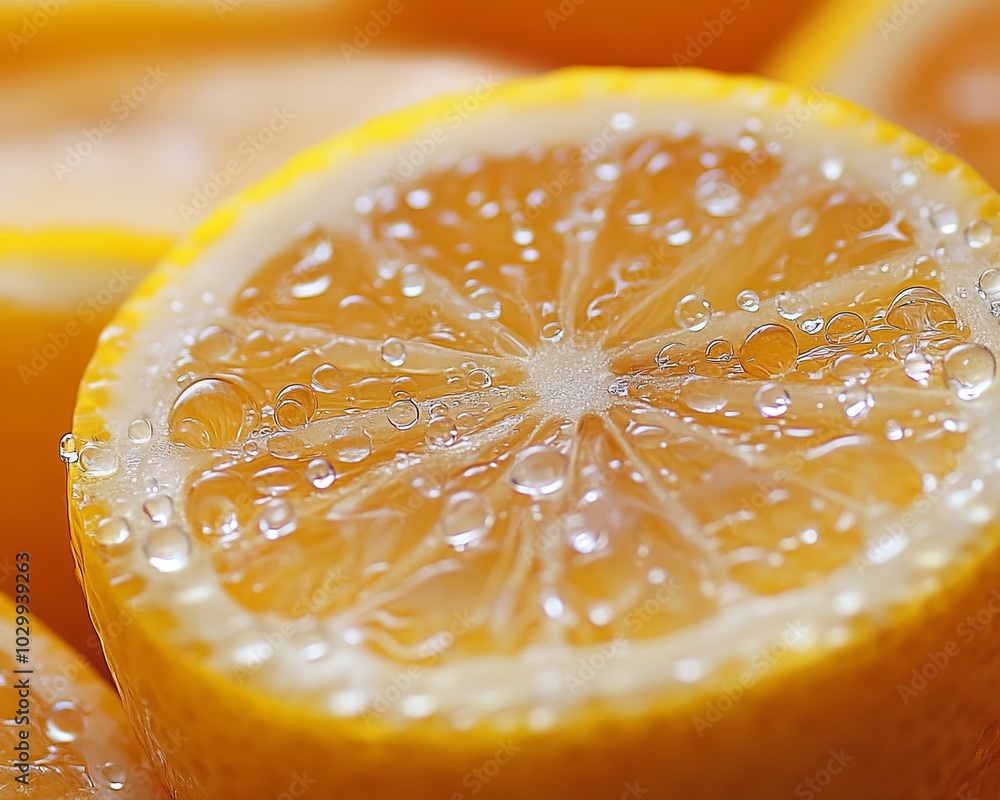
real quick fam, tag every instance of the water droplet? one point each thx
(326, 378)
(811, 321)
(791, 306)
(115, 775)
(619, 387)
(969, 370)
(294, 406)
(65, 723)
(917, 366)
(112, 532)
(944, 218)
(832, 168)
(553, 607)
(168, 549)
(403, 414)
(851, 368)
(539, 470)
(693, 312)
(748, 300)
(486, 303)
(286, 446)
(719, 350)
(677, 233)
(552, 330)
(159, 508)
(718, 198)
(478, 379)
(769, 351)
(803, 222)
(639, 218)
(466, 518)
(856, 401)
(441, 432)
(706, 397)
(673, 354)
(978, 233)
(393, 352)
(418, 199)
(140, 431)
(894, 431)
(212, 413)
(988, 285)
(919, 308)
(215, 344)
(320, 474)
(351, 447)
(412, 280)
(272, 481)
(772, 400)
(310, 285)
(67, 449)
(217, 505)
(277, 519)
(98, 459)
(845, 328)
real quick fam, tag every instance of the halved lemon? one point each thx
(929, 65)
(64, 734)
(595, 438)
(58, 289)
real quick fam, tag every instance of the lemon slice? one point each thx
(64, 734)
(608, 437)
(932, 67)
(194, 128)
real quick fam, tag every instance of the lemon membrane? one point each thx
(469, 406)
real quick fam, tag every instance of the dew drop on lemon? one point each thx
(772, 400)
(769, 351)
(969, 370)
(539, 471)
(168, 548)
(693, 312)
(393, 351)
(212, 413)
(403, 414)
(66, 722)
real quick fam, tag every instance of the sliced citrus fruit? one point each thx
(603, 442)
(931, 66)
(57, 290)
(63, 734)
(193, 127)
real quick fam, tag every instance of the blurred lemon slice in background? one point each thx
(78, 739)
(608, 435)
(930, 65)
